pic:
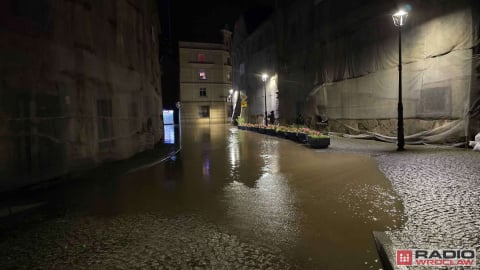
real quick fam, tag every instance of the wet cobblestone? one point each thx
(140, 241)
(439, 188)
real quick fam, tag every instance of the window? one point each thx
(204, 111)
(203, 92)
(202, 75)
(201, 57)
(229, 76)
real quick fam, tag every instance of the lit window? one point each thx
(229, 76)
(204, 111)
(202, 75)
(203, 92)
(201, 57)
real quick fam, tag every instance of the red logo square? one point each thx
(404, 257)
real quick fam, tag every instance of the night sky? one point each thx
(202, 20)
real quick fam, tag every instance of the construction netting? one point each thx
(356, 72)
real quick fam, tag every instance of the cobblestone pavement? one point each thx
(135, 241)
(439, 187)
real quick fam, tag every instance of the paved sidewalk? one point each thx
(439, 187)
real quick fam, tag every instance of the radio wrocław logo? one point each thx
(436, 257)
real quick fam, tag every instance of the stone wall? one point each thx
(79, 85)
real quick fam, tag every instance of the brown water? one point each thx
(318, 209)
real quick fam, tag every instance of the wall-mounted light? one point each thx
(264, 79)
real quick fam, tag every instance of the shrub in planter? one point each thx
(241, 124)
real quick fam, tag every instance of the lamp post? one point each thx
(399, 19)
(264, 79)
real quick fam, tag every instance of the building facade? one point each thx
(205, 82)
(337, 64)
(79, 85)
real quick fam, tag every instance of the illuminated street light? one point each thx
(264, 79)
(399, 19)
(230, 104)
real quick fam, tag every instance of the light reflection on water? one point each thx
(267, 208)
(169, 134)
(233, 153)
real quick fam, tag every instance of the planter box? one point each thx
(270, 132)
(291, 135)
(302, 137)
(318, 142)
(280, 134)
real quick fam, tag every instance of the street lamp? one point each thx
(399, 19)
(264, 79)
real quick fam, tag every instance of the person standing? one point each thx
(271, 117)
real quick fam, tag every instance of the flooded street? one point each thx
(230, 199)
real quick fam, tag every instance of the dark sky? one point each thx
(202, 20)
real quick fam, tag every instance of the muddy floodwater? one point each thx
(255, 194)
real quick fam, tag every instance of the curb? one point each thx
(386, 251)
(12, 210)
(168, 156)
